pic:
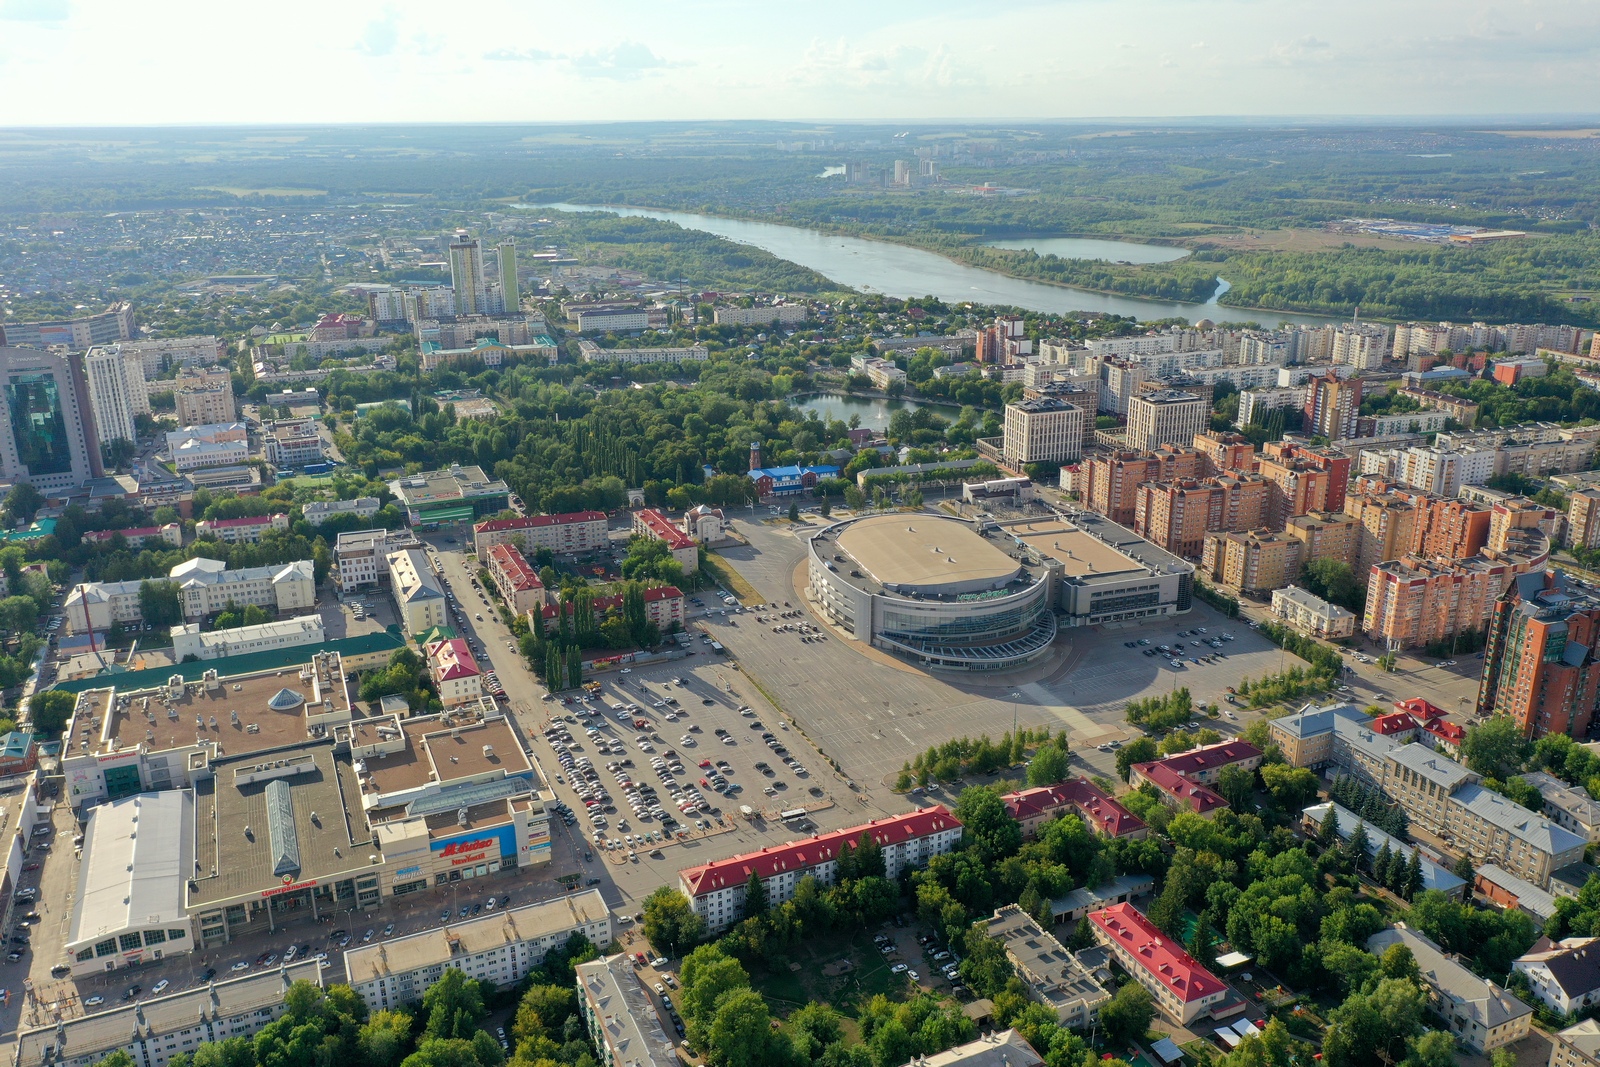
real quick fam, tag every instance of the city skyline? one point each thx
(947, 60)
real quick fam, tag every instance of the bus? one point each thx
(792, 814)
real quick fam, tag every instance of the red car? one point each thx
(30, 866)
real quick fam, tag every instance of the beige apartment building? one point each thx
(1257, 561)
(1046, 430)
(204, 395)
(1326, 535)
(1311, 614)
(1583, 519)
(1166, 417)
(1437, 794)
(1177, 515)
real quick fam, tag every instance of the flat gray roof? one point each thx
(106, 1031)
(437, 946)
(234, 863)
(923, 551)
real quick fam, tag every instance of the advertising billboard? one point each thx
(475, 846)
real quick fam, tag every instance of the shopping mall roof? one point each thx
(240, 846)
(136, 854)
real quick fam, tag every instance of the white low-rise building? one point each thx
(187, 640)
(1482, 1015)
(205, 587)
(1311, 614)
(417, 595)
(248, 530)
(320, 511)
(499, 947)
(152, 1032)
(1564, 975)
(716, 890)
(138, 853)
(360, 557)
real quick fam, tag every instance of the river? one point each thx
(901, 271)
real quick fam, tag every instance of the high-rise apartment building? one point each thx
(510, 294)
(1416, 600)
(1363, 345)
(1583, 518)
(1225, 453)
(1257, 561)
(1327, 535)
(1177, 515)
(204, 396)
(1331, 406)
(466, 274)
(1167, 417)
(113, 324)
(1539, 665)
(117, 391)
(50, 439)
(1303, 480)
(1386, 528)
(1111, 480)
(1044, 431)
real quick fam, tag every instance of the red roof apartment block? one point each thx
(1035, 807)
(716, 890)
(653, 524)
(1176, 790)
(1182, 988)
(515, 578)
(575, 531)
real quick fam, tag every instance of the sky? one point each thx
(112, 62)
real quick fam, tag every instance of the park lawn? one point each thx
(786, 990)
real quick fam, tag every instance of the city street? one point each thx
(626, 882)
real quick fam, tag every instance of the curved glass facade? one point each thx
(991, 632)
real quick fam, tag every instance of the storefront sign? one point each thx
(472, 847)
(288, 888)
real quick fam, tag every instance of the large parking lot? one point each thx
(873, 713)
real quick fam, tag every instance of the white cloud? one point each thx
(1022, 59)
(381, 35)
(35, 10)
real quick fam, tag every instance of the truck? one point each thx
(716, 646)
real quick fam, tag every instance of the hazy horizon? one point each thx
(76, 63)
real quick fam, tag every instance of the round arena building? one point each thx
(933, 589)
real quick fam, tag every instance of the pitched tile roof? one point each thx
(1197, 797)
(1081, 795)
(817, 849)
(1160, 956)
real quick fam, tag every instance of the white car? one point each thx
(159, 987)
(899, 968)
